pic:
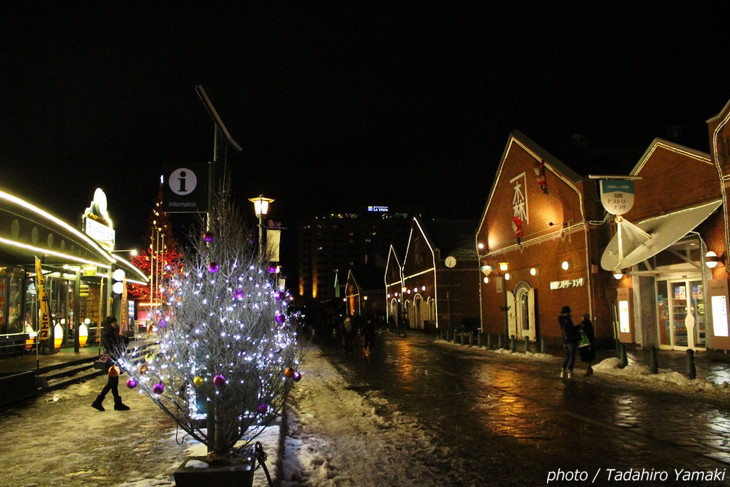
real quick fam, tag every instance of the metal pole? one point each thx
(76, 312)
(261, 239)
(691, 368)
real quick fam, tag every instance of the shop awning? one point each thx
(647, 238)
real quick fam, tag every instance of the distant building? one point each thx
(437, 286)
(340, 242)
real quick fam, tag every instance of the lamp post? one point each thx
(261, 208)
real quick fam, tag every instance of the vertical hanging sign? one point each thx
(44, 317)
(617, 195)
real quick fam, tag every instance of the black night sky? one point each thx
(342, 104)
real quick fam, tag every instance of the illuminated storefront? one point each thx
(77, 271)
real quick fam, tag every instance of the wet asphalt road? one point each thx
(514, 421)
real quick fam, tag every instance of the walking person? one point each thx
(588, 352)
(570, 341)
(114, 345)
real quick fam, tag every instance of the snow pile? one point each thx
(341, 437)
(665, 379)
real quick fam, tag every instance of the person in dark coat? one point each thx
(114, 345)
(570, 341)
(588, 353)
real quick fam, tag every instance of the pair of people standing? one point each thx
(571, 339)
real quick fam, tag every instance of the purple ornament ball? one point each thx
(277, 295)
(131, 383)
(162, 323)
(208, 237)
(158, 388)
(213, 267)
(262, 408)
(280, 318)
(296, 377)
(238, 294)
(219, 380)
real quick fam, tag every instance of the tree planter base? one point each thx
(228, 472)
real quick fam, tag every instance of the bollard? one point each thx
(623, 358)
(479, 338)
(471, 339)
(513, 344)
(653, 363)
(461, 337)
(499, 341)
(691, 369)
(527, 344)
(489, 341)
(543, 345)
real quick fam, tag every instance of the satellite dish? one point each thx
(649, 237)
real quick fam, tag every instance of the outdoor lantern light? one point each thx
(261, 205)
(565, 265)
(618, 274)
(711, 259)
(83, 334)
(118, 284)
(507, 276)
(486, 280)
(486, 269)
(503, 266)
(261, 208)
(533, 271)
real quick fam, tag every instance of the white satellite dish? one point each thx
(636, 243)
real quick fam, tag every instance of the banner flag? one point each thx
(273, 244)
(44, 314)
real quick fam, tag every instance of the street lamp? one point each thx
(261, 208)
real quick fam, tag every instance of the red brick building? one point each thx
(653, 276)
(677, 217)
(539, 243)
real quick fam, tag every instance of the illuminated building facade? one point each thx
(436, 287)
(78, 273)
(546, 240)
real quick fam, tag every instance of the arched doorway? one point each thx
(522, 321)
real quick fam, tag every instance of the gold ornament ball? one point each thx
(198, 381)
(149, 357)
(289, 372)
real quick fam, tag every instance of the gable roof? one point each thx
(552, 164)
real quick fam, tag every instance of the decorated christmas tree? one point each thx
(161, 257)
(226, 354)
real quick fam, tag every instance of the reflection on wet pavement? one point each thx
(508, 413)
